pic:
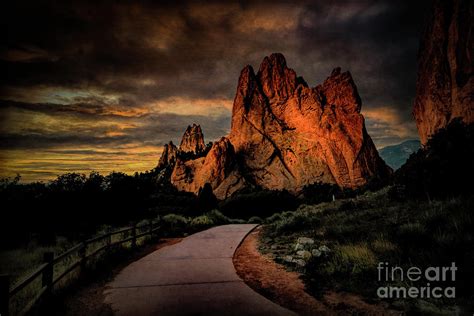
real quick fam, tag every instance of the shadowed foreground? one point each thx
(193, 277)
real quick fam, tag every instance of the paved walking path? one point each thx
(193, 277)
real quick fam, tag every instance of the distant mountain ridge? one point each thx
(396, 155)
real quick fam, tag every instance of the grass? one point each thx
(359, 257)
(21, 261)
(371, 228)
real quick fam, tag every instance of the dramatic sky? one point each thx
(103, 85)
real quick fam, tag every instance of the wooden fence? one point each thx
(55, 269)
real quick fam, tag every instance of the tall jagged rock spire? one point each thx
(218, 169)
(445, 84)
(278, 82)
(340, 90)
(168, 156)
(193, 140)
(291, 135)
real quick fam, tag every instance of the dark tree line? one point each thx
(443, 168)
(75, 205)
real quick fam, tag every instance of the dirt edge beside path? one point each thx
(285, 288)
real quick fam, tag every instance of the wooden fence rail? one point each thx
(47, 270)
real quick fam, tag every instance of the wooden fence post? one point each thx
(4, 294)
(47, 277)
(82, 255)
(134, 236)
(108, 241)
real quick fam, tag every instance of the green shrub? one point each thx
(287, 214)
(237, 221)
(255, 220)
(274, 218)
(174, 219)
(143, 222)
(174, 224)
(218, 218)
(202, 221)
(293, 221)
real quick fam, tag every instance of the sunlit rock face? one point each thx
(193, 140)
(285, 135)
(218, 168)
(445, 84)
(291, 135)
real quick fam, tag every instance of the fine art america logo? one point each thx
(430, 278)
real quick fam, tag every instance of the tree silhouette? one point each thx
(206, 198)
(443, 168)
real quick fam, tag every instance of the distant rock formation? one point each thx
(168, 156)
(445, 85)
(218, 168)
(193, 140)
(284, 135)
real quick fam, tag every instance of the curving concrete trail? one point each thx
(193, 277)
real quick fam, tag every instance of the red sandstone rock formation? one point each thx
(218, 168)
(445, 85)
(291, 135)
(193, 140)
(286, 134)
(168, 156)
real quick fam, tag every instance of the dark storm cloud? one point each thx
(93, 109)
(114, 47)
(117, 75)
(197, 50)
(376, 40)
